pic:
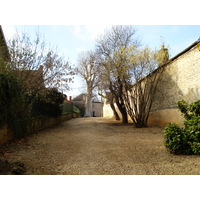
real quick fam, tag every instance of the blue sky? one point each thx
(70, 40)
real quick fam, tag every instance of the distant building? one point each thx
(68, 100)
(97, 107)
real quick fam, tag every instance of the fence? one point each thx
(69, 107)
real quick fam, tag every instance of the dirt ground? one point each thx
(87, 146)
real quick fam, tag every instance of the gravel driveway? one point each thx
(99, 146)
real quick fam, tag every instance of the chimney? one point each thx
(70, 98)
(41, 68)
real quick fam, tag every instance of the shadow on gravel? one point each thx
(117, 124)
(11, 168)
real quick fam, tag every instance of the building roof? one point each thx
(80, 97)
(3, 46)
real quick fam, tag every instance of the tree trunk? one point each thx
(114, 111)
(122, 109)
(120, 103)
(88, 109)
(88, 103)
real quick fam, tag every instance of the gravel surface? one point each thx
(98, 146)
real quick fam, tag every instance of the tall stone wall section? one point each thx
(107, 111)
(180, 80)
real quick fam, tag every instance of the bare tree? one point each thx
(89, 71)
(138, 95)
(112, 49)
(36, 65)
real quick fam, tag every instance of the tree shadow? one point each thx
(170, 90)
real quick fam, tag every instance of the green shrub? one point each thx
(43, 108)
(196, 147)
(12, 105)
(9, 90)
(185, 140)
(47, 105)
(176, 139)
(17, 106)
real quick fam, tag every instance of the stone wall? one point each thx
(35, 126)
(107, 111)
(180, 80)
(97, 109)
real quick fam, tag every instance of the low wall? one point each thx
(107, 111)
(5, 134)
(161, 118)
(35, 126)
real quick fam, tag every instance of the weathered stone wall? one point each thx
(97, 109)
(107, 111)
(35, 126)
(180, 80)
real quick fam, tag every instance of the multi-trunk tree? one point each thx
(112, 49)
(127, 72)
(146, 70)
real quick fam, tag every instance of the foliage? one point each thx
(34, 62)
(176, 139)
(139, 92)
(12, 168)
(8, 90)
(47, 105)
(11, 104)
(113, 49)
(23, 80)
(185, 140)
(124, 66)
(189, 110)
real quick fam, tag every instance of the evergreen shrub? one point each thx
(185, 140)
(11, 105)
(47, 105)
